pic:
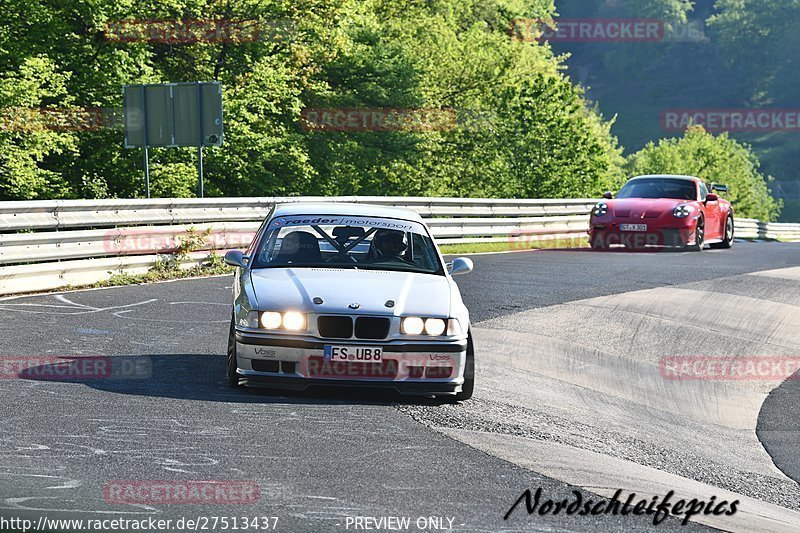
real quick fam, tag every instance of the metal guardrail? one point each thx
(67, 214)
(55, 243)
(755, 229)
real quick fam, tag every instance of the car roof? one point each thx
(666, 176)
(345, 209)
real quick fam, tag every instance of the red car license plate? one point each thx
(633, 227)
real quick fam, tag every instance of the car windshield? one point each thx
(659, 188)
(334, 241)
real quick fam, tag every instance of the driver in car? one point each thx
(299, 247)
(389, 244)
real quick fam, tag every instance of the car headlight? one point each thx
(412, 325)
(251, 320)
(600, 209)
(294, 321)
(290, 320)
(454, 328)
(435, 327)
(682, 211)
(271, 320)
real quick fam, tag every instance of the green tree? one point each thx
(712, 158)
(760, 40)
(521, 128)
(27, 139)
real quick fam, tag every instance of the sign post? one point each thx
(144, 144)
(173, 115)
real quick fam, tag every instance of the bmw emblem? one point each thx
(354, 306)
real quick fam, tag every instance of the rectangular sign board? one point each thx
(173, 114)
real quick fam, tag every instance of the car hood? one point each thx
(644, 207)
(295, 288)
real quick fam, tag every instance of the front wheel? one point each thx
(469, 375)
(699, 236)
(231, 374)
(727, 241)
(597, 243)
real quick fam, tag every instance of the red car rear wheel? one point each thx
(727, 241)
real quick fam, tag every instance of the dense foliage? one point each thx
(721, 54)
(714, 159)
(760, 40)
(520, 128)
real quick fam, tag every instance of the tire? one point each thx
(699, 236)
(232, 376)
(598, 244)
(727, 241)
(469, 375)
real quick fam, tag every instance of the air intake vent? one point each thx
(266, 366)
(335, 327)
(371, 327)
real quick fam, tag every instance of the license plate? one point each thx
(633, 227)
(362, 354)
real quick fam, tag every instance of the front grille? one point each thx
(370, 327)
(335, 327)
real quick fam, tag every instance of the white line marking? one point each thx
(62, 298)
(83, 310)
(200, 303)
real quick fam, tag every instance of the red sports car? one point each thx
(663, 211)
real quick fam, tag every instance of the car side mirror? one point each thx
(712, 197)
(236, 258)
(460, 265)
(608, 195)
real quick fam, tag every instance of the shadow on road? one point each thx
(778, 426)
(201, 377)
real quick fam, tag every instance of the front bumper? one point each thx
(608, 234)
(296, 363)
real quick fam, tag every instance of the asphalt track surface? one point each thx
(569, 397)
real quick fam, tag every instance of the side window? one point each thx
(252, 248)
(423, 256)
(703, 191)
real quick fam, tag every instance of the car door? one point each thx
(712, 213)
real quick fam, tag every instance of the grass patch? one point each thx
(523, 243)
(212, 267)
(169, 267)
